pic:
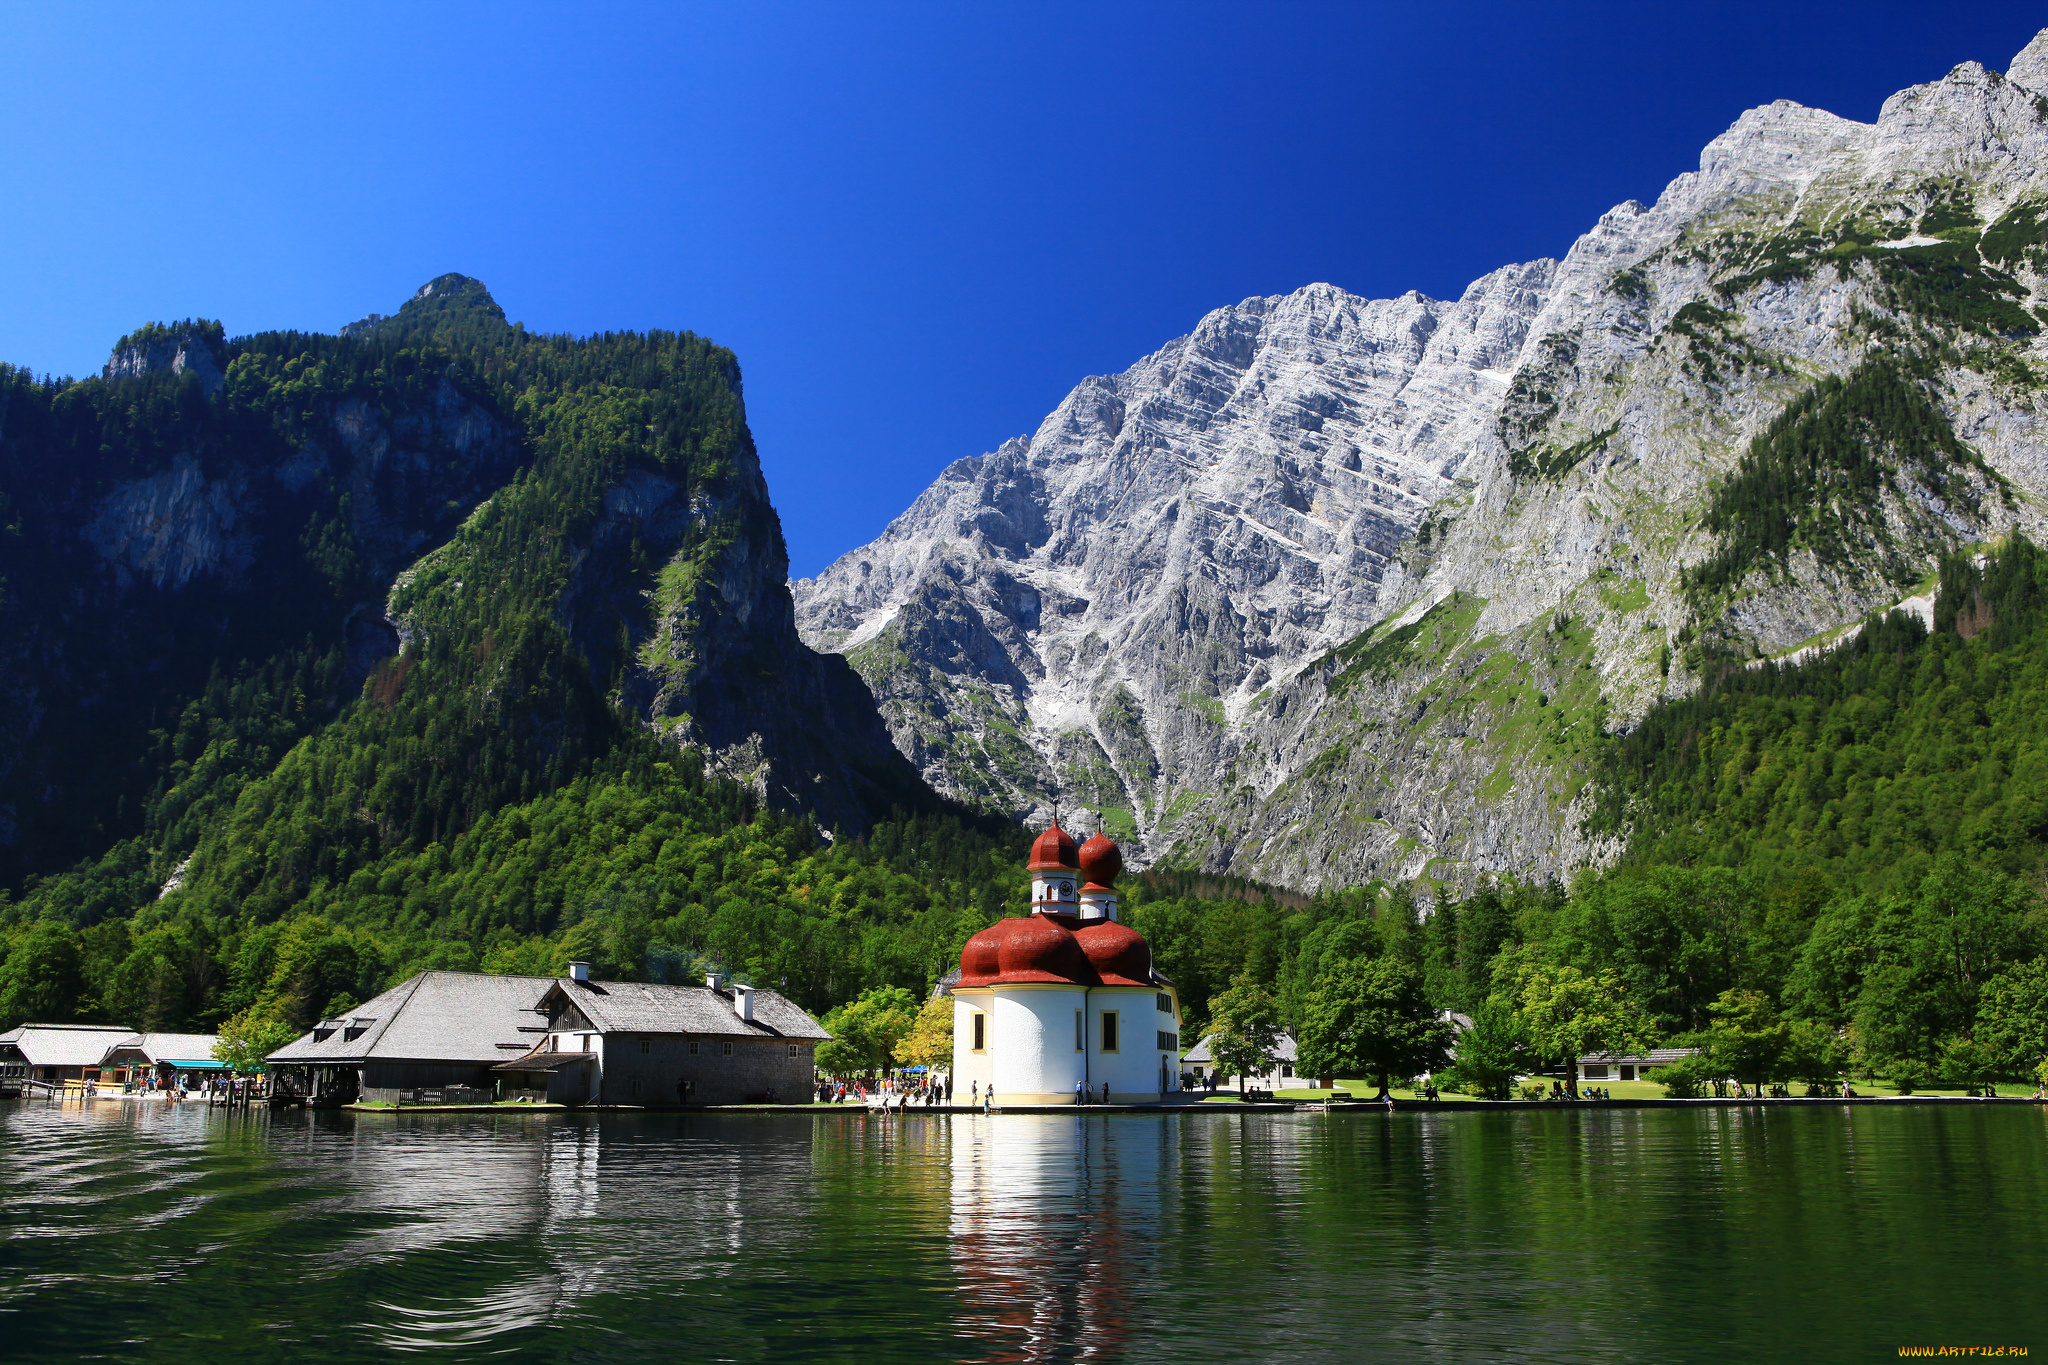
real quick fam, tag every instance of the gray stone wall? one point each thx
(755, 1066)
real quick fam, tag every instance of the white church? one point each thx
(1064, 1001)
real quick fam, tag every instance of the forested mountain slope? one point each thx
(419, 641)
(1832, 863)
(1336, 589)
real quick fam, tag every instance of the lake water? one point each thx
(137, 1232)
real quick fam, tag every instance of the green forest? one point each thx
(1844, 856)
(287, 843)
(263, 823)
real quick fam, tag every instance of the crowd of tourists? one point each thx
(184, 1085)
(927, 1090)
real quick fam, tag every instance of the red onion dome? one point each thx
(980, 959)
(1102, 860)
(1119, 954)
(1052, 849)
(1030, 949)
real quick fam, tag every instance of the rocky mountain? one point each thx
(1337, 588)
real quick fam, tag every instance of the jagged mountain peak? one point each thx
(2029, 67)
(1334, 587)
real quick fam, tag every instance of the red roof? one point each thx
(1119, 955)
(1102, 860)
(1034, 948)
(1054, 848)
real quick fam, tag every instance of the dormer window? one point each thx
(356, 1029)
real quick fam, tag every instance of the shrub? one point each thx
(1482, 1084)
(1684, 1079)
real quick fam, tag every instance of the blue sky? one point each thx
(918, 226)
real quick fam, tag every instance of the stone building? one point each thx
(1065, 1001)
(434, 1029)
(624, 1042)
(568, 1039)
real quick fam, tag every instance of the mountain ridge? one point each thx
(1544, 452)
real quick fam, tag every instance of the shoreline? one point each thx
(1166, 1107)
(1198, 1107)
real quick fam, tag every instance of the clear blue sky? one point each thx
(918, 226)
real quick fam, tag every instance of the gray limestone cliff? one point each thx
(1337, 588)
(195, 348)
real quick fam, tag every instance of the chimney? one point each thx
(743, 1001)
(714, 980)
(579, 971)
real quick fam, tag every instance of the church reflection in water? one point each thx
(1054, 1229)
(1008, 1237)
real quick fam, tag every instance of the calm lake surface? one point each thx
(130, 1231)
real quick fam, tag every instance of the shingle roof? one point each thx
(432, 1017)
(169, 1047)
(630, 1007)
(470, 1017)
(66, 1044)
(1283, 1051)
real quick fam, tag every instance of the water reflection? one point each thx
(1053, 1223)
(137, 1231)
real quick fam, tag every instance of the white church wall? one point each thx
(1132, 1071)
(1033, 1043)
(973, 1070)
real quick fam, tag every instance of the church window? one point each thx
(1109, 1030)
(980, 1031)
(1080, 1039)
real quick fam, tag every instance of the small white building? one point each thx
(1201, 1064)
(1064, 1002)
(1631, 1066)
